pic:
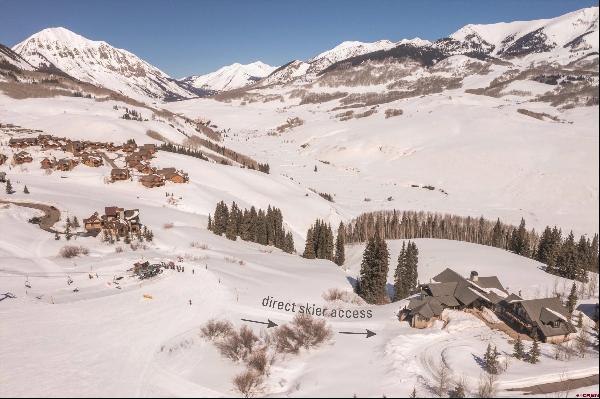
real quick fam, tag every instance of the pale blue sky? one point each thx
(185, 37)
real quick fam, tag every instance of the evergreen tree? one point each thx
(519, 350)
(497, 234)
(56, 236)
(221, 218)
(340, 255)
(567, 259)
(399, 276)
(373, 271)
(9, 187)
(261, 228)
(413, 394)
(520, 241)
(580, 320)
(534, 352)
(75, 222)
(231, 230)
(68, 234)
(26, 190)
(491, 359)
(289, 243)
(309, 247)
(210, 224)
(572, 299)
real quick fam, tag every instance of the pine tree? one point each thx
(400, 291)
(520, 241)
(413, 394)
(580, 320)
(373, 271)
(221, 217)
(490, 359)
(26, 190)
(9, 187)
(75, 222)
(232, 224)
(56, 236)
(497, 234)
(534, 352)
(289, 243)
(309, 247)
(567, 259)
(572, 299)
(519, 350)
(209, 227)
(340, 255)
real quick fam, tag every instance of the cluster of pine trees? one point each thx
(563, 256)
(406, 275)
(263, 227)
(132, 114)
(320, 244)
(242, 159)
(371, 285)
(178, 149)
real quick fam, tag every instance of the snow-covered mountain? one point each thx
(561, 36)
(9, 59)
(562, 40)
(230, 77)
(99, 63)
(346, 50)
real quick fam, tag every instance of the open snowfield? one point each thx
(488, 158)
(526, 146)
(103, 340)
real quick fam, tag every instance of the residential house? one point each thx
(173, 175)
(117, 174)
(133, 159)
(93, 223)
(22, 157)
(544, 318)
(151, 148)
(48, 163)
(75, 147)
(152, 180)
(93, 161)
(66, 164)
(143, 168)
(129, 147)
(451, 290)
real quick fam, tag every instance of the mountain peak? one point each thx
(99, 63)
(231, 77)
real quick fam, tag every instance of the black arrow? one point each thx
(269, 324)
(369, 333)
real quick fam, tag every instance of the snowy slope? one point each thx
(569, 33)
(346, 50)
(99, 63)
(230, 77)
(9, 59)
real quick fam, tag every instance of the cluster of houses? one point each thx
(115, 221)
(84, 152)
(87, 152)
(547, 319)
(138, 159)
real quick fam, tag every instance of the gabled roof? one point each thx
(448, 276)
(545, 311)
(442, 289)
(426, 306)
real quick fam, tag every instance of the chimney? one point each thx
(474, 276)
